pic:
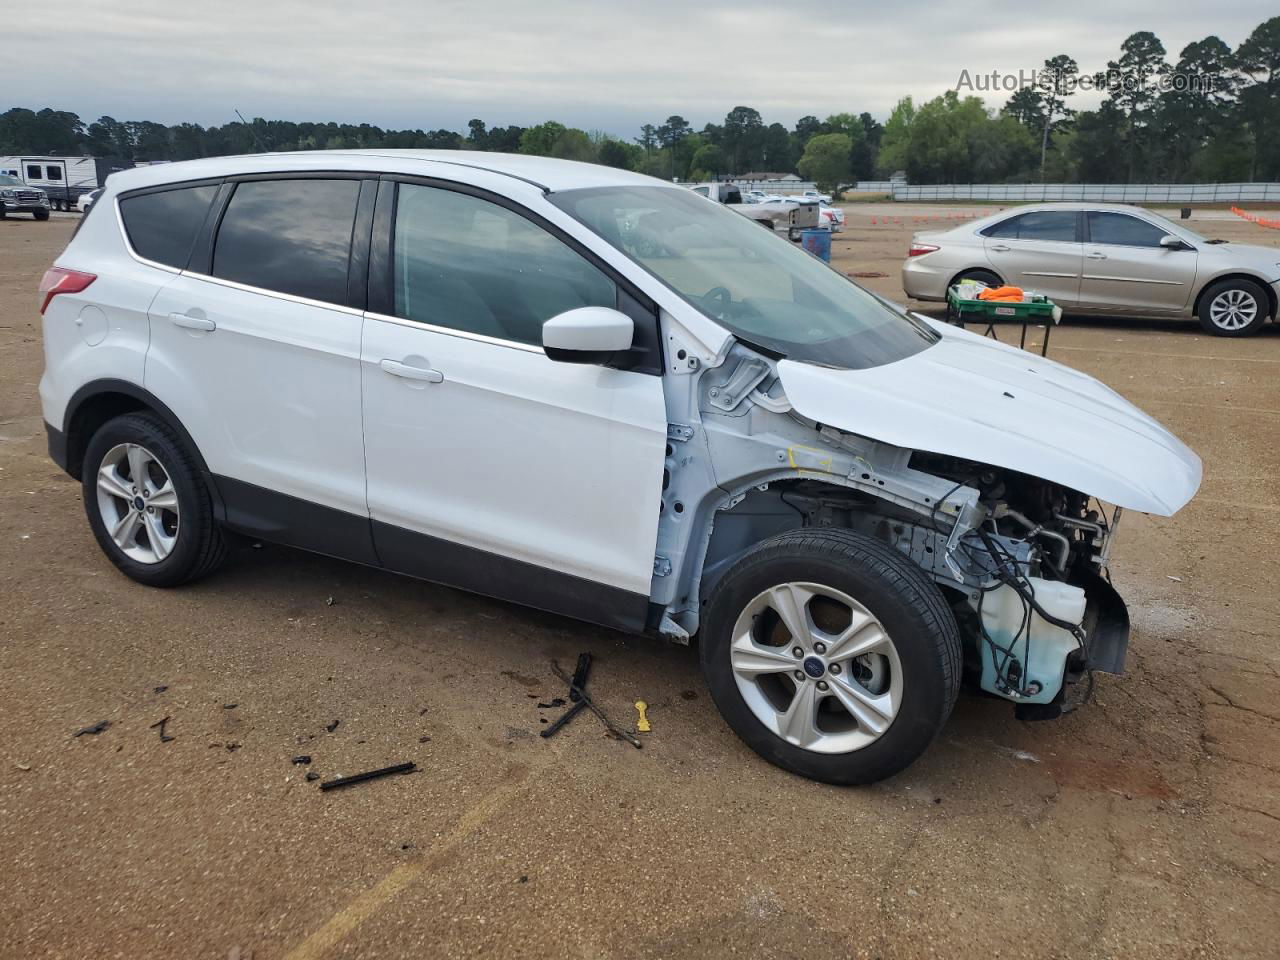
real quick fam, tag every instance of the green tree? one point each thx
(1132, 89)
(612, 153)
(541, 140)
(742, 135)
(708, 162)
(1259, 58)
(826, 160)
(896, 138)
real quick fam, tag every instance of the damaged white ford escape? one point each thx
(594, 393)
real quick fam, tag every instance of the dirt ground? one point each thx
(1145, 825)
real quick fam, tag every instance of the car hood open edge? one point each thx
(972, 397)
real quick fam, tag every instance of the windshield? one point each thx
(8, 181)
(765, 289)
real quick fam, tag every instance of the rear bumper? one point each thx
(922, 280)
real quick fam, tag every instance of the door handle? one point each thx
(398, 369)
(191, 323)
(999, 248)
(1095, 255)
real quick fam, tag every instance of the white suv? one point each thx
(595, 393)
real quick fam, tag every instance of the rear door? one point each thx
(1126, 269)
(256, 348)
(490, 466)
(1040, 252)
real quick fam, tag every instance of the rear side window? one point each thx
(469, 264)
(1123, 230)
(33, 172)
(163, 226)
(292, 236)
(55, 173)
(1057, 225)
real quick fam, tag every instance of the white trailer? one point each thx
(64, 179)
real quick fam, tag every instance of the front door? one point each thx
(1127, 270)
(490, 466)
(1039, 252)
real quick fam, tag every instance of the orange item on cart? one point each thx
(1011, 294)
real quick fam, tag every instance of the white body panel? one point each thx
(272, 395)
(971, 397)
(555, 464)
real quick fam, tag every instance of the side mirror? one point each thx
(587, 335)
(1170, 242)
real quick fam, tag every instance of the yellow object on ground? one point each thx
(642, 725)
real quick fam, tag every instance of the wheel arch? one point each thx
(1267, 288)
(985, 268)
(101, 400)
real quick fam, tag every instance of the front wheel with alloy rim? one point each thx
(831, 655)
(148, 507)
(1234, 308)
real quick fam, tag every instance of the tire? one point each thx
(921, 660)
(983, 276)
(1233, 308)
(40, 214)
(166, 546)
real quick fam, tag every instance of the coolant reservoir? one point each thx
(1044, 661)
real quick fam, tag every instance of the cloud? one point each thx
(599, 65)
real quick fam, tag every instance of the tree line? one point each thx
(1213, 114)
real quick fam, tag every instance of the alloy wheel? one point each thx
(1233, 309)
(816, 667)
(138, 503)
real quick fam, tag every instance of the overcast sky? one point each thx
(597, 65)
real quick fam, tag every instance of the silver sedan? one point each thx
(1103, 259)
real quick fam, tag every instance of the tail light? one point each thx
(920, 249)
(58, 280)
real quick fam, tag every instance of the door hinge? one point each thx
(678, 431)
(661, 566)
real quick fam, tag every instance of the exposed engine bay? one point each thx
(1022, 560)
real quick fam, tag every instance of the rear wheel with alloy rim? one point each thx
(148, 507)
(831, 655)
(1234, 308)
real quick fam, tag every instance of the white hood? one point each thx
(969, 396)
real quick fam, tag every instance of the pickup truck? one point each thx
(788, 217)
(17, 197)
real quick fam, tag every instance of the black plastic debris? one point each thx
(160, 725)
(581, 701)
(368, 775)
(312, 775)
(93, 730)
(230, 706)
(332, 726)
(302, 759)
(556, 702)
(162, 688)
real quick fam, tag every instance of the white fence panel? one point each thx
(1165, 193)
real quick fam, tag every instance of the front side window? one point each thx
(762, 288)
(8, 181)
(55, 173)
(1123, 230)
(291, 236)
(468, 264)
(33, 172)
(163, 226)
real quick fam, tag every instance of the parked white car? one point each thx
(87, 200)
(596, 393)
(1106, 260)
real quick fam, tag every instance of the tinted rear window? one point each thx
(293, 236)
(1043, 225)
(163, 226)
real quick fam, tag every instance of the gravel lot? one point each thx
(1147, 825)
